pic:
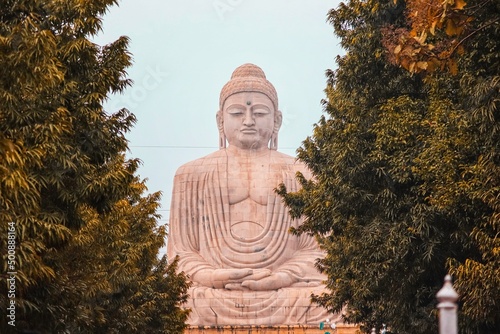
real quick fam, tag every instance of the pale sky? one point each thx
(184, 51)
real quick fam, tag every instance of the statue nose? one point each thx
(248, 119)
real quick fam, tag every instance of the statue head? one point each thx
(249, 89)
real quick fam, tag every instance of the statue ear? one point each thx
(278, 118)
(220, 125)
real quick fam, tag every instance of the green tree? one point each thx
(406, 176)
(86, 236)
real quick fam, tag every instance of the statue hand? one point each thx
(272, 282)
(236, 287)
(311, 284)
(257, 274)
(218, 278)
(221, 277)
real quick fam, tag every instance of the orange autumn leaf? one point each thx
(459, 4)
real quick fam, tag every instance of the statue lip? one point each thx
(249, 131)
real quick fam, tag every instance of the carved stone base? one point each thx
(298, 329)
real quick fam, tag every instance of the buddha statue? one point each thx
(229, 227)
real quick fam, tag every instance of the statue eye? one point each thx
(260, 112)
(235, 111)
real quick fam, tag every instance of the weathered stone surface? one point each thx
(231, 230)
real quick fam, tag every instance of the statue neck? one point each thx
(248, 153)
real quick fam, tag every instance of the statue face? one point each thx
(248, 120)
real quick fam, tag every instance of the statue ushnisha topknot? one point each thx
(248, 78)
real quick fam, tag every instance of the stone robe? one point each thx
(207, 231)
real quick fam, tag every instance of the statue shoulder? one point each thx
(292, 162)
(286, 159)
(202, 164)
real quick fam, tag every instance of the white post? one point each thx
(447, 306)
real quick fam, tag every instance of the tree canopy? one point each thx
(406, 164)
(86, 235)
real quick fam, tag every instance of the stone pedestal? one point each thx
(298, 329)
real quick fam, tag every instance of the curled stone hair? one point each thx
(248, 78)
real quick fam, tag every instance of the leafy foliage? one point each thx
(86, 235)
(406, 177)
(437, 33)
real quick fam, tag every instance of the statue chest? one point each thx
(252, 180)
